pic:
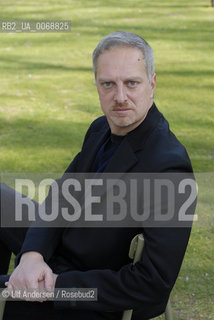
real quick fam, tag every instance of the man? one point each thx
(131, 137)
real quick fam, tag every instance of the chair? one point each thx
(135, 253)
(2, 295)
(2, 304)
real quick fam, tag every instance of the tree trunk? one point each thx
(212, 3)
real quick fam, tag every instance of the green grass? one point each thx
(48, 100)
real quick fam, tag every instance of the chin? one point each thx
(122, 122)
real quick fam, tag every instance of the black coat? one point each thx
(98, 257)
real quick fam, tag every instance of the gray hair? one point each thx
(126, 39)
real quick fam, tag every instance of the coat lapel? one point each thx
(94, 142)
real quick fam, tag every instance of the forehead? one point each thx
(121, 61)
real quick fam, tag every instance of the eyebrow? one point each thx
(134, 78)
(104, 80)
(130, 78)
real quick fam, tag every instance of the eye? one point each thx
(107, 84)
(132, 84)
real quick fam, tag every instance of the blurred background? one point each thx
(48, 99)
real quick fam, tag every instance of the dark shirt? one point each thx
(106, 152)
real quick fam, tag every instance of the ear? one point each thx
(153, 85)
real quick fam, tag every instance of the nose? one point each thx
(120, 94)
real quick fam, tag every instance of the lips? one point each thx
(121, 110)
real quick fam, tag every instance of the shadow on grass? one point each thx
(186, 73)
(192, 35)
(21, 64)
(192, 31)
(38, 134)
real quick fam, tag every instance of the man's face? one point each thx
(124, 89)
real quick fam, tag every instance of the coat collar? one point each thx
(139, 135)
(92, 146)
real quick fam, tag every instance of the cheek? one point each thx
(105, 99)
(135, 98)
(143, 95)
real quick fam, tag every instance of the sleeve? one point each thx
(44, 239)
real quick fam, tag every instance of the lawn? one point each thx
(48, 99)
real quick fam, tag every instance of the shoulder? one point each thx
(98, 125)
(165, 152)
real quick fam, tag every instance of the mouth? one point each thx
(121, 111)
